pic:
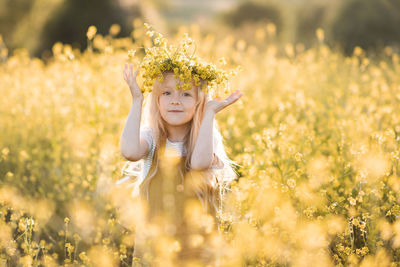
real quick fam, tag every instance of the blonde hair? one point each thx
(216, 182)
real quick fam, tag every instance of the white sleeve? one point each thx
(217, 163)
(147, 134)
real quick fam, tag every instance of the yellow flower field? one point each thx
(317, 136)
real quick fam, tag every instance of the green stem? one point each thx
(37, 254)
(195, 49)
(65, 240)
(76, 249)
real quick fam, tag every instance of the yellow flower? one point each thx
(291, 183)
(320, 34)
(131, 53)
(150, 33)
(298, 157)
(222, 61)
(115, 29)
(352, 201)
(91, 32)
(161, 58)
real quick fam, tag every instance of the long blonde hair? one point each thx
(216, 182)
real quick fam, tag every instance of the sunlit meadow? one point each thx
(316, 134)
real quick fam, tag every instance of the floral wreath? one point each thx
(162, 57)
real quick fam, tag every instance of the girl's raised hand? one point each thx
(131, 81)
(217, 105)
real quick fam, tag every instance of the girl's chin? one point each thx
(176, 122)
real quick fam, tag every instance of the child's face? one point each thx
(183, 101)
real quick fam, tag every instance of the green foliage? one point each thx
(309, 18)
(12, 12)
(247, 12)
(70, 23)
(371, 24)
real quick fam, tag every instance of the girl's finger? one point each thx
(232, 99)
(234, 96)
(131, 68)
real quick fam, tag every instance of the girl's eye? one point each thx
(165, 93)
(187, 94)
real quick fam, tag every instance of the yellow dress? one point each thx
(173, 206)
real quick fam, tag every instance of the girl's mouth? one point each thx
(175, 111)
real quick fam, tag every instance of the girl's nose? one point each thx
(175, 100)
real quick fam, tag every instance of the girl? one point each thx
(181, 158)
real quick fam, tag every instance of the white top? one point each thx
(147, 135)
(141, 168)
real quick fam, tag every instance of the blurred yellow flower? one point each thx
(92, 30)
(320, 34)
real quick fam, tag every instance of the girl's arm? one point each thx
(133, 147)
(202, 156)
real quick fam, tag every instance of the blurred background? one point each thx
(316, 132)
(37, 24)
